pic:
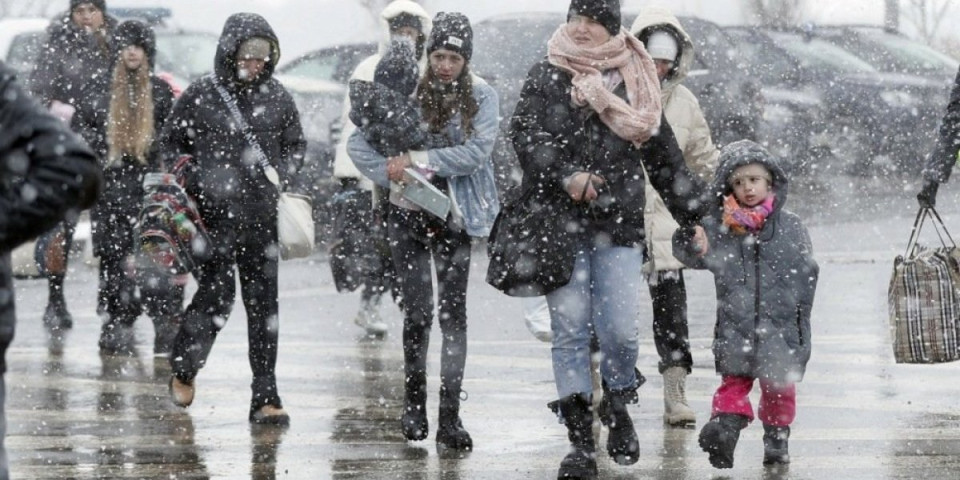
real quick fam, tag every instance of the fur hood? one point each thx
(662, 17)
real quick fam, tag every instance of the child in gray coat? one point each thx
(762, 260)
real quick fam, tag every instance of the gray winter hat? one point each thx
(254, 48)
(100, 4)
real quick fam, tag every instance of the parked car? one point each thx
(20, 41)
(731, 102)
(869, 121)
(890, 51)
(334, 64)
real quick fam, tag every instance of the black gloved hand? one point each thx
(928, 194)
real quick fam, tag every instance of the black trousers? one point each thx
(379, 275)
(415, 238)
(670, 332)
(251, 247)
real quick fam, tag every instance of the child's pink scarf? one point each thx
(744, 220)
(635, 122)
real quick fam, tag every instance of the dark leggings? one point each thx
(414, 238)
(670, 332)
(249, 246)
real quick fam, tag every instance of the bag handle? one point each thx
(922, 215)
(231, 102)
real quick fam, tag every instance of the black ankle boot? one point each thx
(414, 420)
(719, 438)
(577, 414)
(622, 443)
(775, 450)
(56, 317)
(450, 432)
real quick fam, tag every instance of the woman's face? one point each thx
(750, 184)
(587, 32)
(133, 57)
(87, 16)
(446, 65)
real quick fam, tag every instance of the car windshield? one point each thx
(903, 54)
(186, 55)
(502, 53)
(820, 55)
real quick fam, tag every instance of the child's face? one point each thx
(751, 184)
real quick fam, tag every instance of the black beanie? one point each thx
(405, 19)
(606, 12)
(133, 32)
(398, 69)
(100, 4)
(451, 31)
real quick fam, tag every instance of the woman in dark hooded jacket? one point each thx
(42, 161)
(589, 120)
(237, 201)
(120, 117)
(79, 47)
(765, 276)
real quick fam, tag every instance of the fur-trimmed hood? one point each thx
(644, 24)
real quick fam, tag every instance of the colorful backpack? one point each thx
(172, 237)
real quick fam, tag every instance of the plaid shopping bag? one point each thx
(924, 300)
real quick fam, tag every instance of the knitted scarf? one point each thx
(635, 122)
(743, 220)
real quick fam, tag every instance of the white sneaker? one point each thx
(369, 319)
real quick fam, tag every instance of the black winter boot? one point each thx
(719, 438)
(622, 443)
(414, 420)
(775, 451)
(56, 318)
(577, 414)
(450, 432)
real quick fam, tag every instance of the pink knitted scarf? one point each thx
(744, 220)
(635, 122)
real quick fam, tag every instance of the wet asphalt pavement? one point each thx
(75, 414)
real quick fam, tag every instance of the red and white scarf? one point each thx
(636, 121)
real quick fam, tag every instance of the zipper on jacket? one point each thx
(756, 297)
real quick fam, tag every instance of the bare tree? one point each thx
(776, 12)
(21, 8)
(926, 16)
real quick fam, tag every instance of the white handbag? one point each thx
(295, 230)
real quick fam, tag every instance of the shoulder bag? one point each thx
(295, 227)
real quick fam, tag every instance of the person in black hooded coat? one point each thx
(237, 202)
(79, 47)
(39, 155)
(121, 115)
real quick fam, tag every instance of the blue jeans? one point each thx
(603, 297)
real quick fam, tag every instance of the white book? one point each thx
(420, 192)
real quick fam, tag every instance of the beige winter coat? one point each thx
(683, 114)
(342, 165)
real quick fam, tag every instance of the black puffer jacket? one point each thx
(390, 121)
(47, 173)
(227, 178)
(765, 282)
(69, 59)
(124, 181)
(555, 139)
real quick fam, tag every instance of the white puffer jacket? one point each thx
(683, 113)
(342, 165)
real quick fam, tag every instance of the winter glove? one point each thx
(928, 194)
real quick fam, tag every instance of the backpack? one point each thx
(171, 236)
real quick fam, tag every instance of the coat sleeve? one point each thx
(541, 155)
(680, 189)
(944, 156)
(463, 160)
(808, 285)
(45, 78)
(370, 163)
(59, 173)
(175, 138)
(699, 152)
(293, 144)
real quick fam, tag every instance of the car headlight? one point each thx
(899, 99)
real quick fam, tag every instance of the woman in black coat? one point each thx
(79, 47)
(61, 175)
(237, 201)
(120, 117)
(589, 120)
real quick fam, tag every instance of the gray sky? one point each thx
(304, 25)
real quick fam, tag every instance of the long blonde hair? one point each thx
(130, 125)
